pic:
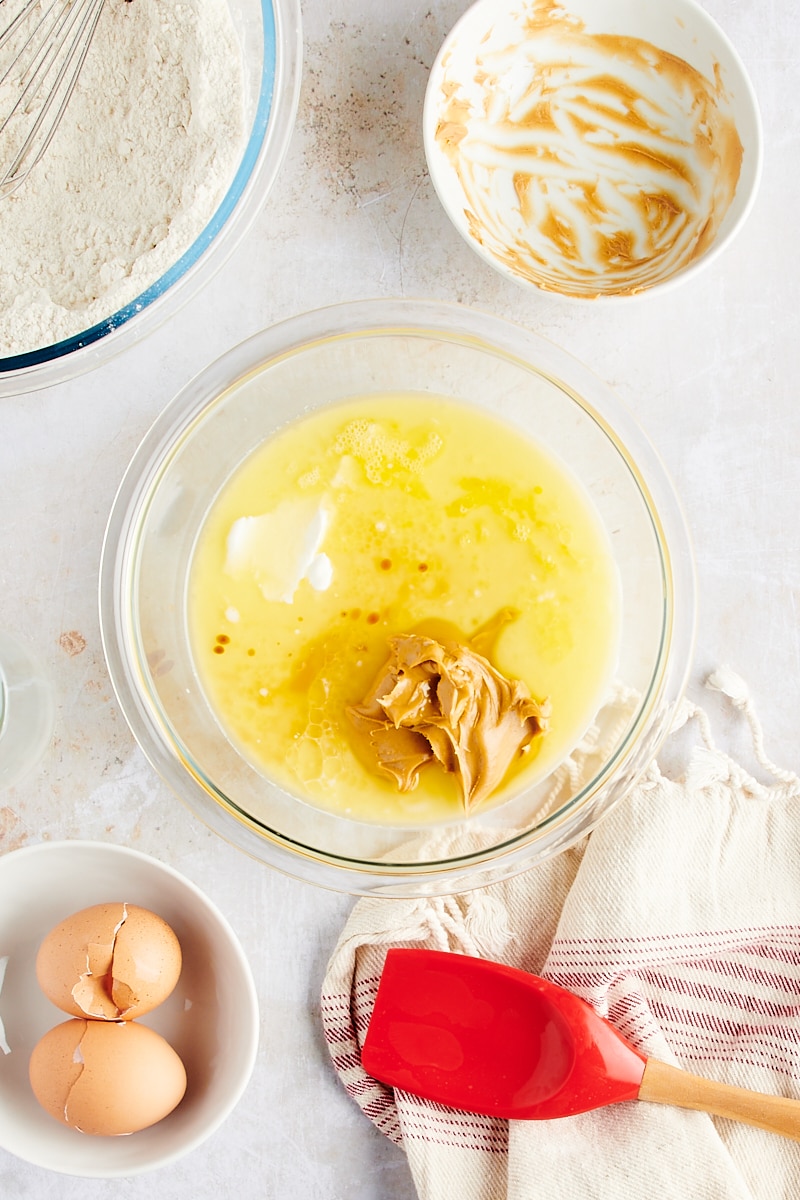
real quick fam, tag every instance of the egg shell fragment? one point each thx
(111, 961)
(106, 1078)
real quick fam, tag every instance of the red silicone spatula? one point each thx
(490, 1039)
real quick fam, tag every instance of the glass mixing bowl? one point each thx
(294, 369)
(270, 35)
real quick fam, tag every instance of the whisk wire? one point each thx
(8, 32)
(46, 57)
(37, 54)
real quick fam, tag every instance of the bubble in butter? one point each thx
(111, 962)
(106, 1077)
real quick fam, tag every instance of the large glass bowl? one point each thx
(293, 369)
(269, 32)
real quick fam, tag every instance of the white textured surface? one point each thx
(711, 370)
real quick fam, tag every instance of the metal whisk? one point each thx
(43, 46)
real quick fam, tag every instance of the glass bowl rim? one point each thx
(358, 319)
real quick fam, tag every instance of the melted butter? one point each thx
(442, 521)
(589, 163)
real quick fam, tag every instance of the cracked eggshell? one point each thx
(106, 1078)
(110, 961)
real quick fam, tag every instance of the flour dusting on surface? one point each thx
(146, 151)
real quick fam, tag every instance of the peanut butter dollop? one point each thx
(443, 701)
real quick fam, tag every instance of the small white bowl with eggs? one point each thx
(595, 148)
(41, 887)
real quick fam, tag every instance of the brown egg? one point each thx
(111, 961)
(106, 1077)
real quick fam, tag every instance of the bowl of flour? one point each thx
(167, 150)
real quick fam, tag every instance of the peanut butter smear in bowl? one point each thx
(592, 151)
(446, 703)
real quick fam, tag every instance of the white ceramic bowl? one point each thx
(269, 32)
(211, 1018)
(575, 151)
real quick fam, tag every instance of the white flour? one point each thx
(145, 153)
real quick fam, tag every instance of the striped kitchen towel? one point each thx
(678, 919)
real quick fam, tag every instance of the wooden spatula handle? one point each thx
(664, 1084)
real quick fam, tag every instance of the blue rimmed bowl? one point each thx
(269, 32)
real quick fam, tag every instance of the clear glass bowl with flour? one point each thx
(170, 144)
